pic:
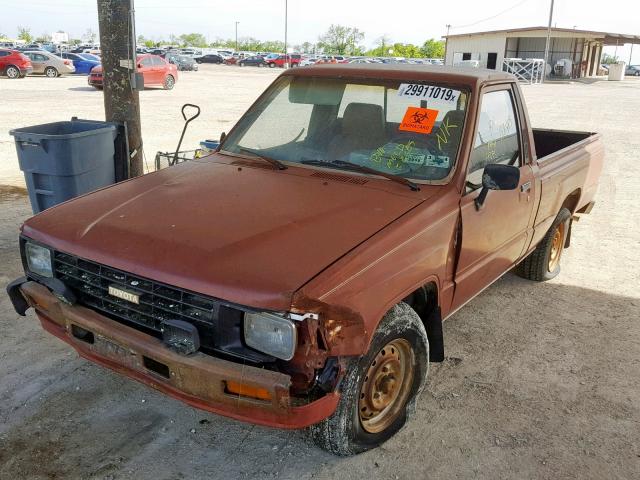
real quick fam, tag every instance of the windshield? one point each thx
(397, 127)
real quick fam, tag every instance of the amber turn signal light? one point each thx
(246, 390)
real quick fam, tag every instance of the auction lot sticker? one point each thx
(417, 90)
(419, 120)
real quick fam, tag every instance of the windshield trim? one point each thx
(362, 80)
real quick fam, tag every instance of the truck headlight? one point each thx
(38, 259)
(271, 334)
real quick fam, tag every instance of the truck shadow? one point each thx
(510, 353)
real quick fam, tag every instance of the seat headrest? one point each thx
(363, 119)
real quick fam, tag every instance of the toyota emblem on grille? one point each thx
(124, 294)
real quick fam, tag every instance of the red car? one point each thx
(14, 64)
(155, 70)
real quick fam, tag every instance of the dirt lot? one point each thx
(541, 380)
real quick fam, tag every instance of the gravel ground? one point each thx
(542, 380)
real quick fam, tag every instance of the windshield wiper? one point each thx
(276, 163)
(362, 168)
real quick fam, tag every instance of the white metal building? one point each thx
(581, 50)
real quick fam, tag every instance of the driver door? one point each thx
(495, 235)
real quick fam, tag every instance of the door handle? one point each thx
(525, 187)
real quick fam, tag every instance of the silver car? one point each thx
(49, 64)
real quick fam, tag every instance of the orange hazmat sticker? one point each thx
(419, 120)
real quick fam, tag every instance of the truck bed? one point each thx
(570, 164)
(551, 141)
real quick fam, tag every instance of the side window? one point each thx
(39, 58)
(158, 62)
(146, 62)
(4, 54)
(496, 139)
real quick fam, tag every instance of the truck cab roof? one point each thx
(453, 75)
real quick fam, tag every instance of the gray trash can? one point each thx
(62, 160)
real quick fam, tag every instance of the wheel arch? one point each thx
(571, 201)
(571, 204)
(425, 301)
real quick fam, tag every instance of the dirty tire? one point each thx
(535, 265)
(51, 72)
(343, 432)
(12, 72)
(169, 82)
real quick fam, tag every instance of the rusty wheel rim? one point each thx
(556, 248)
(386, 386)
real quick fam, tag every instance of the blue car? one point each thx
(83, 64)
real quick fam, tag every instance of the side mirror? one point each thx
(497, 177)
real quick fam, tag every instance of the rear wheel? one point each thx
(260, 65)
(544, 262)
(169, 82)
(380, 388)
(12, 71)
(51, 72)
(272, 65)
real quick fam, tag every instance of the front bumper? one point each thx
(198, 379)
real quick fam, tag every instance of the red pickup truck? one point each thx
(275, 60)
(299, 276)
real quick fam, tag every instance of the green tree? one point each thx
(193, 40)
(383, 45)
(151, 44)
(24, 33)
(340, 40)
(43, 38)
(307, 47)
(272, 46)
(609, 59)
(433, 48)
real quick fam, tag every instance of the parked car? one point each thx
(308, 61)
(49, 64)
(91, 56)
(254, 61)
(82, 64)
(411, 211)
(183, 62)
(276, 60)
(14, 64)
(210, 58)
(633, 70)
(154, 69)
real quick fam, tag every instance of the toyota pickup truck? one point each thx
(300, 275)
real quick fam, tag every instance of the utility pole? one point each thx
(116, 19)
(546, 47)
(286, 12)
(446, 44)
(631, 54)
(237, 36)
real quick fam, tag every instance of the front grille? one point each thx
(158, 302)
(219, 324)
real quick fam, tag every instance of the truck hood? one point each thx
(231, 228)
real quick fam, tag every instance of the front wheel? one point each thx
(380, 388)
(544, 262)
(169, 82)
(51, 72)
(12, 72)
(272, 65)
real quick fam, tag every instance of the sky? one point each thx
(406, 22)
